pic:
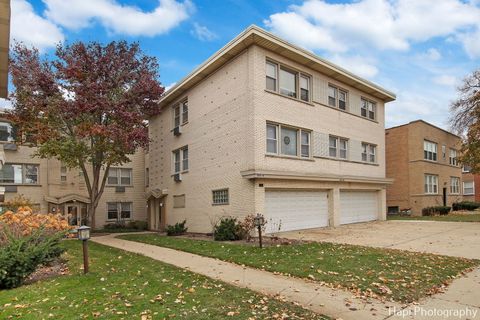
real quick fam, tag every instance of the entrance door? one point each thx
(76, 214)
(157, 214)
(444, 197)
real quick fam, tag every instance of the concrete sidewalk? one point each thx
(334, 303)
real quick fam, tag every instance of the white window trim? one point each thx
(180, 150)
(337, 97)
(181, 114)
(367, 111)
(452, 159)
(452, 191)
(473, 188)
(425, 144)
(368, 153)
(337, 147)
(119, 177)
(24, 174)
(298, 74)
(299, 141)
(426, 182)
(119, 210)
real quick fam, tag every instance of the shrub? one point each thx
(137, 225)
(177, 229)
(227, 230)
(19, 201)
(28, 240)
(465, 205)
(430, 211)
(114, 226)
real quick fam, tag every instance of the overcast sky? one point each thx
(419, 49)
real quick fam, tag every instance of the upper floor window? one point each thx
(180, 113)
(337, 98)
(431, 184)
(287, 81)
(468, 188)
(466, 168)
(444, 152)
(7, 132)
(429, 150)
(453, 157)
(368, 109)
(271, 76)
(369, 152)
(180, 160)
(119, 177)
(19, 173)
(292, 142)
(338, 147)
(63, 173)
(454, 185)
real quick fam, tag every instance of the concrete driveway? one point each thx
(459, 239)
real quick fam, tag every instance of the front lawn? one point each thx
(124, 285)
(450, 217)
(399, 275)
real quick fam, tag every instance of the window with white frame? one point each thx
(369, 152)
(468, 188)
(180, 159)
(7, 132)
(444, 152)
(19, 173)
(287, 81)
(119, 177)
(466, 168)
(271, 76)
(368, 109)
(429, 150)
(337, 147)
(454, 185)
(119, 210)
(453, 157)
(180, 113)
(220, 197)
(431, 184)
(292, 141)
(337, 98)
(63, 173)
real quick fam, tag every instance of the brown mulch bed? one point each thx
(56, 268)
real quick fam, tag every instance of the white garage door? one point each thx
(358, 206)
(295, 210)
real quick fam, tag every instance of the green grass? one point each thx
(399, 275)
(124, 285)
(450, 217)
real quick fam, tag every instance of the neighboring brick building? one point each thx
(54, 188)
(422, 160)
(265, 127)
(470, 185)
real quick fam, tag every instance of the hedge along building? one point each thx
(54, 188)
(266, 127)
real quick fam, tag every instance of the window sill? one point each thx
(310, 103)
(347, 111)
(288, 157)
(181, 172)
(115, 220)
(220, 204)
(349, 161)
(118, 185)
(20, 184)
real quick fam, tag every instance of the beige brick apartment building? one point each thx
(54, 188)
(265, 127)
(422, 160)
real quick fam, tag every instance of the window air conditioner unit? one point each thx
(177, 177)
(177, 131)
(119, 189)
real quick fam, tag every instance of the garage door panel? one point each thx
(358, 206)
(295, 210)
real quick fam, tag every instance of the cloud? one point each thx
(471, 43)
(5, 104)
(445, 80)
(32, 29)
(378, 24)
(203, 33)
(118, 18)
(433, 54)
(356, 64)
(170, 86)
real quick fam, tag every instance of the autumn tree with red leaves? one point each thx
(86, 107)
